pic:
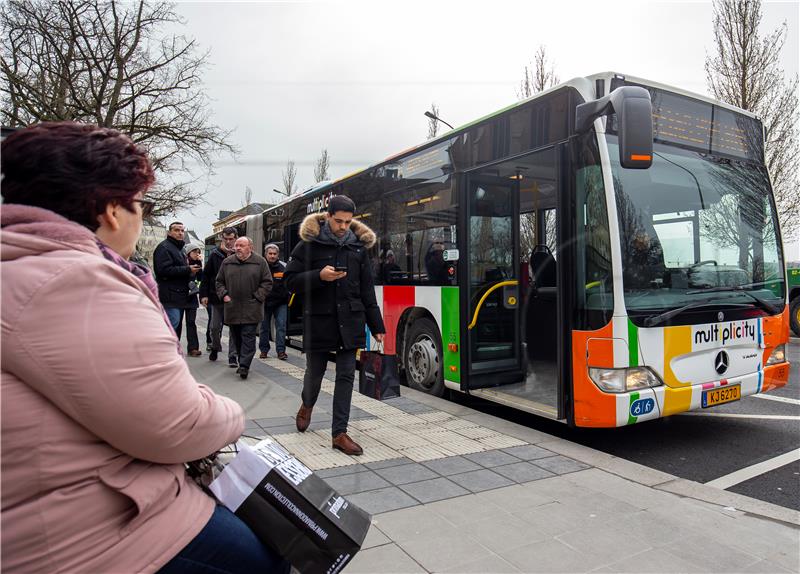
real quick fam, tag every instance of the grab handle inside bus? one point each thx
(485, 295)
(634, 123)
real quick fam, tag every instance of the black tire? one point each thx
(794, 315)
(423, 362)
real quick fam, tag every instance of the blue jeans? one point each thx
(176, 318)
(279, 312)
(226, 545)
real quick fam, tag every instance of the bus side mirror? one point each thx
(634, 123)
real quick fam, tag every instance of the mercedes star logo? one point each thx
(720, 316)
(721, 362)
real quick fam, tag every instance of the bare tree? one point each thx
(321, 168)
(289, 176)
(745, 71)
(539, 75)
(115, 65)
(433, 123)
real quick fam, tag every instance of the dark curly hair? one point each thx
(73, 169)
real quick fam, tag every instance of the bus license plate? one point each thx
(721, 395)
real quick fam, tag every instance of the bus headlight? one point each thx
(778, 355)
(624, 380)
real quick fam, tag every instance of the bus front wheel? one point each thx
(794, 315)
(423, 358)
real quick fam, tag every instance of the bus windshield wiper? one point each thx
(768, 307)
(656, 320)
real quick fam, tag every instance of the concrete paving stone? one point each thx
(257, 433)
(416, 408)
(285, 429)
(274, 422)
(656, 561)
(407, 523)
(426, 452)
(712, 556)
(492, 458)
(551, 518)
(250, 424)
(388, 463)
(382, 500)
(374, 538)
(388, 558)
(501, 533)
(528, 452)
(432, 490)
(480, 480)
(493, 563)
(451, 465)
(654, 531)
(320, 425)
(548, 555)
(560, 464)
(603, 544)
(522, 472)
(767, 567)
(405, 473)
(347, 484)
(360, 416)
(466, 509)
(338, 471)
(448, 549)
(515, 498)
(597, 507)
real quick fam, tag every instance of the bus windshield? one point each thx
(695, 225)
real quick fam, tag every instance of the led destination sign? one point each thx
(702, 126)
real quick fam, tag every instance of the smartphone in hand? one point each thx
(340, 268)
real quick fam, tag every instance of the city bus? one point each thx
(604, 253)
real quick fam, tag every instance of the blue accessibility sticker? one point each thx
(642, 407)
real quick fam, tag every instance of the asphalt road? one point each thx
(704, 446)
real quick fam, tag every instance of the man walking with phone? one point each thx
(173, 273)
(331, 274)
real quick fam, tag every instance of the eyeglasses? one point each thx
(148, 206)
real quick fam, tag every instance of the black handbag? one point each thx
(378, 376)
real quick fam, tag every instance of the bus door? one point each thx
(294, 320)
(491, 297)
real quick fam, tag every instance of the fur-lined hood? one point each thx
(309, 229)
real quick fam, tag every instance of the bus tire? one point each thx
(794, 315)
(423, 358)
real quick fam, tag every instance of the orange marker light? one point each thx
(453, 368)
(635, 157)
(452, 347)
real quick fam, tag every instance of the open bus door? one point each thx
(515, 221)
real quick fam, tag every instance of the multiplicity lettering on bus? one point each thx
(729, 332)
(320, 203)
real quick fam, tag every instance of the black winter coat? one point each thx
(278, 295)
(334, 312)
(208, 287)
(172, 274)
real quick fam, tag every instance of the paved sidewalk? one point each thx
(454, 490)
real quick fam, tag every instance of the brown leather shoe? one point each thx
(263, 355)
(303, 418)
(283, 356)
(195, 353)
(347, 445)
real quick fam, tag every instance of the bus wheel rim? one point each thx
(423, 361)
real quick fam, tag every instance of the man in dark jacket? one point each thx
(173, 273)
(275, 306)
(208, 295)
(331, 273)
(243, 283)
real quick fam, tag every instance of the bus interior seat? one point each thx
(541, 313)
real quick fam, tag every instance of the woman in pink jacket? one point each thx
(99, 409)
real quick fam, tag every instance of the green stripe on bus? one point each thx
(631, 418)
(451, 334)
(633, 344)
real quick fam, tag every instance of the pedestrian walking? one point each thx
(209, 299)
(243, 283)
(276, 306)
(173, 274)
(193, 258)
(331, 273)
(100, 411)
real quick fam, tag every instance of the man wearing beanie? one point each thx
(330, 273)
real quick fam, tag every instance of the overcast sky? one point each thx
(292, 78)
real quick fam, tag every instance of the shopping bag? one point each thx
(291, 509)
(378, 377)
